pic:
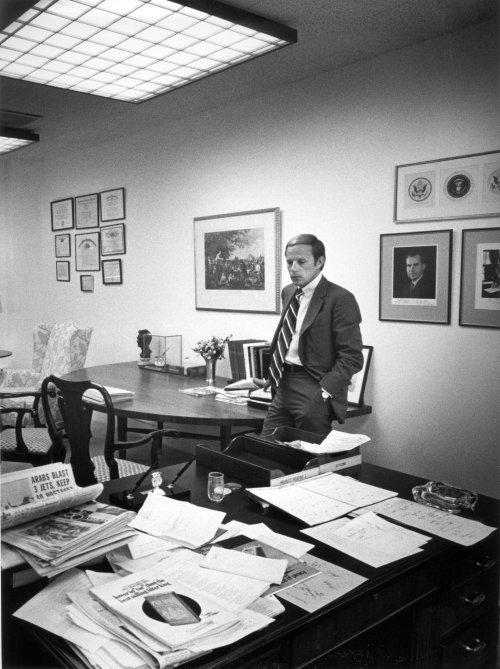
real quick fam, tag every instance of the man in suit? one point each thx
(420, 285)
(325, 347)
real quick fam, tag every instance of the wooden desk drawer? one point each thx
(468, 600)
(331, 630)
(474, 647)
(478, 560)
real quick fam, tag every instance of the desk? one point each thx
(437, 603)
(157, 398)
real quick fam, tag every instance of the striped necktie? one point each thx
(288, 323)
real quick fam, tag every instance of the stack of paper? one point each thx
(67, 538)
(116, 394)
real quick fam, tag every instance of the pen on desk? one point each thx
(181, 472)
(130, 494)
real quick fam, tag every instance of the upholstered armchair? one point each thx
(58, 348)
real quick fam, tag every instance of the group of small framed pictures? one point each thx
(415, 267)
(91, 247)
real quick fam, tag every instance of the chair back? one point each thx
(65, 349)
(77, 418)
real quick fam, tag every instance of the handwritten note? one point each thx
(460, 530)
(269, 570)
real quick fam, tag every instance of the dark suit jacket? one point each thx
(330, 344)
(424, 289)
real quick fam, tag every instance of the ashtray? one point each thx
(445, 497)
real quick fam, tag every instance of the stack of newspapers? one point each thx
(54, 524)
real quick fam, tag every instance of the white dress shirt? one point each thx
(292, 356)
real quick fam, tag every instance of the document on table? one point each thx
(261, 532)
(369, 538)
(460, 530)
(270, 570)
(187, 524)
(322, 498)
(334, 442)
(331, 583)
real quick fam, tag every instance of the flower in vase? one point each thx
(213, 348)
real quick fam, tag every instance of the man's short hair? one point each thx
(317, 246)
(416, 252)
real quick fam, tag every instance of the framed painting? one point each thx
(415, 277)
(87, 252)
(87, 283)
(112, 204)
(448, 188)
(87, 211)
(62, 214)
(356, 389)
(480, 278)
(238, 262)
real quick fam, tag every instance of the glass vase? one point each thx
(210, 364)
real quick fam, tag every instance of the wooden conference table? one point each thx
(157, 398)
(437, 608)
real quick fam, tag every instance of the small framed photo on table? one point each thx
(112, 271)
(356, 389)
(480, 280)
(415, 277)
(87, 283)
(62, 270)
(112, 204)
(87, 211)
(62, 214)
(113, 239)
(87, 252)
(63, 245)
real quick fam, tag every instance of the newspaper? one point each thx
(29, 494)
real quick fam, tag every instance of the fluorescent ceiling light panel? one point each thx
(148, 37)
(12, 139)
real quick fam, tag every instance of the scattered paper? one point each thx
(369, 538)
(181, 522)
(434, 521)
(264, 569)
(335, 442)
(331, 583)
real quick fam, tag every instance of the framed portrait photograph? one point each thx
(87, 252)
(356, 389)
(62, 214)
(62, 270)
(415, 276)
(87, 211)
(448, 188)
(87, 283)
(112, 271)
(112, 204)
(238, 261)
(480, 278)
(113, 239)
(63, 245)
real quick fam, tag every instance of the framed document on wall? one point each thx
(87, 211)
(87, 252)
(112, 204)
(62, 214)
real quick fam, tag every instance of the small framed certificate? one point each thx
(87, 283)
(63, 245)
(62, 214)
(112, 271)
(87, 211)
(112, 204)
(62, 270)
(113, 239)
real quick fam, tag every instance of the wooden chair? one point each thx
(77, 417)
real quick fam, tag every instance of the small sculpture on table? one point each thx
(144, 338)
(156, 482)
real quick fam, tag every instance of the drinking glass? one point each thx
(215, 488)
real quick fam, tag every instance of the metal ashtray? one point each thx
(445, 497)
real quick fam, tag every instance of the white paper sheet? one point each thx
(439, 523)
(335, 442)
(261, 532)
(370, 539)
(269, 570)
(181, 522)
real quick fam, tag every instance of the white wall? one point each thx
(324, 151)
